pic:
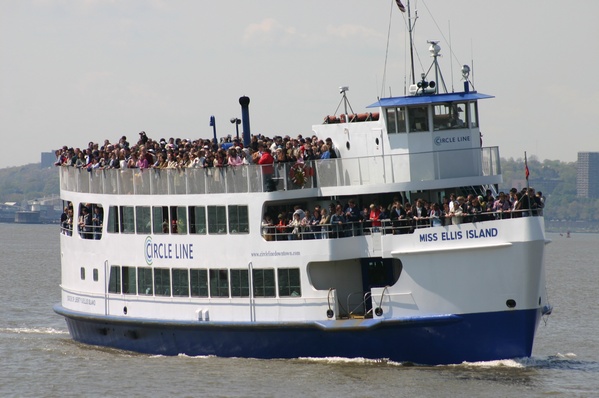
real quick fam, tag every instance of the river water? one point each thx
(38, 359)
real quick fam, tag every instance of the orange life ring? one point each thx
(297, 173)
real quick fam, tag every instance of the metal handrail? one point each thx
(372, 170)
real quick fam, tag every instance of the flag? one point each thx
(401, 7)
(526, 171)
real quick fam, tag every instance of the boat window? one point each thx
(162, 282)
(199, 283)
(219, 283)
(289, 282)
(396, 120)
(418, 118)
(197, 220)
(264, 282)
(473, 114)
(240, 285)
(114, 280)
(143, 220)
(180, 282)
(82, 273)
(97, 214)
(127, 220)
(391, 120)
(449, 116)
(66, 219)
(144, 281)
(238, 220)
(96, 275)
(217, 220)
(178, 220)
(160, 221)
(129, 280)
(113, 220)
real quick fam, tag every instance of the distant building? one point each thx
(587, 175)
(48, 159)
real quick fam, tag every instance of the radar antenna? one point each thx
(343, 90)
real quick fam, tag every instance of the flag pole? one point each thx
(527, 173)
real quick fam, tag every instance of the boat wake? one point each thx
(505, 363)
(558, 361)
(190, 356)
(355, 361)
(33, 331)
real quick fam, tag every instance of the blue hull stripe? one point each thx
(436, 340)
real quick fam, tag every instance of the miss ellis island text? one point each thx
(458, 235)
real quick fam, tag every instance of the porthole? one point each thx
(347, 145)
(376, 140)
(511, 303)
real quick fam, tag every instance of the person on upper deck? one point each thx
(266, 162)
(332, 151)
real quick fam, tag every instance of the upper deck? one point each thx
(426, 170)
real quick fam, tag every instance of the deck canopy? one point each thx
(429, 99)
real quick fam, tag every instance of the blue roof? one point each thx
(429, 99)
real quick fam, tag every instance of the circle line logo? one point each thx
(148, 250)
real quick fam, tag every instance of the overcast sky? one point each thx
(74, 71)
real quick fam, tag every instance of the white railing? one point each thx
(426, 166)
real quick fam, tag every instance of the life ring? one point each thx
(297, 173)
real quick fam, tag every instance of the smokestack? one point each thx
(245, 119)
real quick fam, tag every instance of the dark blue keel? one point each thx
(436, 340)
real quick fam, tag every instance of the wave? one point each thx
(33, 331)
(357, 361)
(190, 356)
(558, 361)
(505, 363)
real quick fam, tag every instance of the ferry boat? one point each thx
(182, 262)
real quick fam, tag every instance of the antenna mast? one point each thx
(410, 29)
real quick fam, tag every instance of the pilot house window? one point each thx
(396, 120)
(449, 116)
(418, 118)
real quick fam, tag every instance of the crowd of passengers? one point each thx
(201, 153)
(399, 218)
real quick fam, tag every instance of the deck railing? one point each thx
(387, 227)
(389, 169)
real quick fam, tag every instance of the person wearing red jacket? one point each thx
(266, 162)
